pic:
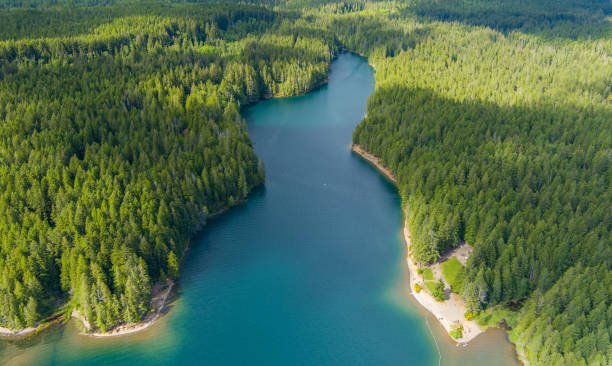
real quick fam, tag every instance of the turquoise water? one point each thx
(309, 271)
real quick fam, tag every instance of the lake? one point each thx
(309, 271)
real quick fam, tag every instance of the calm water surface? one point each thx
(309, 271)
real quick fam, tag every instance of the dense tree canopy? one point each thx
(120, 133)
(502, 138)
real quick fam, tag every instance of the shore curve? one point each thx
(158, 302)
(449, 313)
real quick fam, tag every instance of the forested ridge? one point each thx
(495, 116)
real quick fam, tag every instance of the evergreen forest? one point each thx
(120, 134)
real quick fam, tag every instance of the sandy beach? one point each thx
(449, 313)
(374, 160)
(6, 332)
(55, 318)
(158, 304)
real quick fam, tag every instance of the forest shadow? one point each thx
(485, 173)
(258, 51)
(364, 34)
(548, 20)
(83, 21)
(469, 124)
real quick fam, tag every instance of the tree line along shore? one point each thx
(121, 134)
(435, 294)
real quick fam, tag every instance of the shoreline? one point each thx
(375, 161)
(10, 334)
(7, 333)
(158, 301)
(449, 313)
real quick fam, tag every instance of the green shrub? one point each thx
(469, 315)
(437, 290)
(457, 332)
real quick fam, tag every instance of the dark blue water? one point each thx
(301, 274)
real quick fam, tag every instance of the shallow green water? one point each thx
(309, 271)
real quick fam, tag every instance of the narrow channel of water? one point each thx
(309, 271)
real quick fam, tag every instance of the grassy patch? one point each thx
(428, 274)
(454, 274)
(492, 317)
